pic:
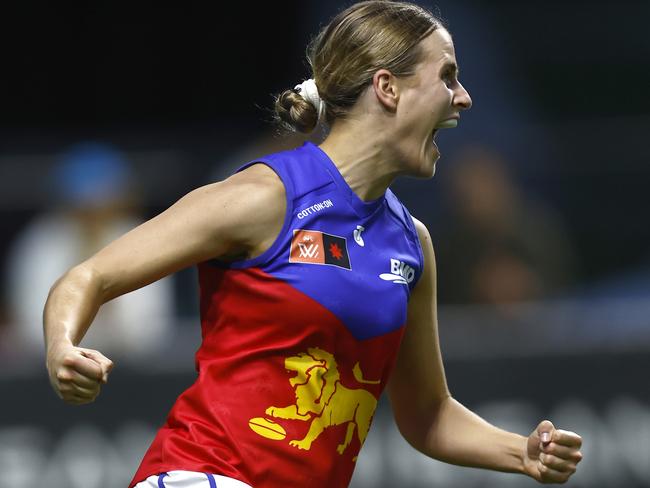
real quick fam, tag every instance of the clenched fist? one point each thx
(76, 373)
(552, 454)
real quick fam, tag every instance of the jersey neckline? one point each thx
(361, 207)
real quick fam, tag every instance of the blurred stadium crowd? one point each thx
(538, 213)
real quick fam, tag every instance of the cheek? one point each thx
(442, 98)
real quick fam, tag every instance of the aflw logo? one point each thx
(400, 272)
(308, 251)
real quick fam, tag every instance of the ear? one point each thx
(386, 89)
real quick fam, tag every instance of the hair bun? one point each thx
(295, 112)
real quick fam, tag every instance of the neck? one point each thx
(359, 154)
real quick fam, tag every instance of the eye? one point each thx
(449, 79)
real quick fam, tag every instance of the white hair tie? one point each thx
(309, 91)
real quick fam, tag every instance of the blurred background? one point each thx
(111, 111)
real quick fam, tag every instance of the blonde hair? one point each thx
(347, 52)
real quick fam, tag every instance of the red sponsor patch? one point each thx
(315, 247)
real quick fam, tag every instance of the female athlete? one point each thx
(318, 289)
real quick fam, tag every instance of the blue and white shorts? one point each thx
(190, 479)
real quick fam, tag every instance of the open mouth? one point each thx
(445, 124)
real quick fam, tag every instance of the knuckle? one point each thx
(69, 360)
(63, 376)
(88, 391)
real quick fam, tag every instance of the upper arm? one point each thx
(240, 215)
(418, 384)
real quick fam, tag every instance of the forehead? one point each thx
(438, 49)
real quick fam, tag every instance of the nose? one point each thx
(462, 100)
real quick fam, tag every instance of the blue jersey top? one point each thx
(368, 253)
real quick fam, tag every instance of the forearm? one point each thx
(71, 306)
(456, 435)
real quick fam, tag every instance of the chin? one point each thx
(424, 173)
(428, 167)
(420, 164)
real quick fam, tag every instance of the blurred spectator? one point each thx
(501, 246)
(91, 188)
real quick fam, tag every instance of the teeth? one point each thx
(447, 124)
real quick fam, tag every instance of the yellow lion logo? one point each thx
(321, 398)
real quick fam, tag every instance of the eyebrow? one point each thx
(451, 66)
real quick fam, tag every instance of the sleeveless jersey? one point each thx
(297, 343)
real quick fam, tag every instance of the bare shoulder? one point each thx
(429, 277)
(257, 188)
(251, 204)
(423, 234)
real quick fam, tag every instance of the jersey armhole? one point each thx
(418, 244)
(415, 239)
(268, 253)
